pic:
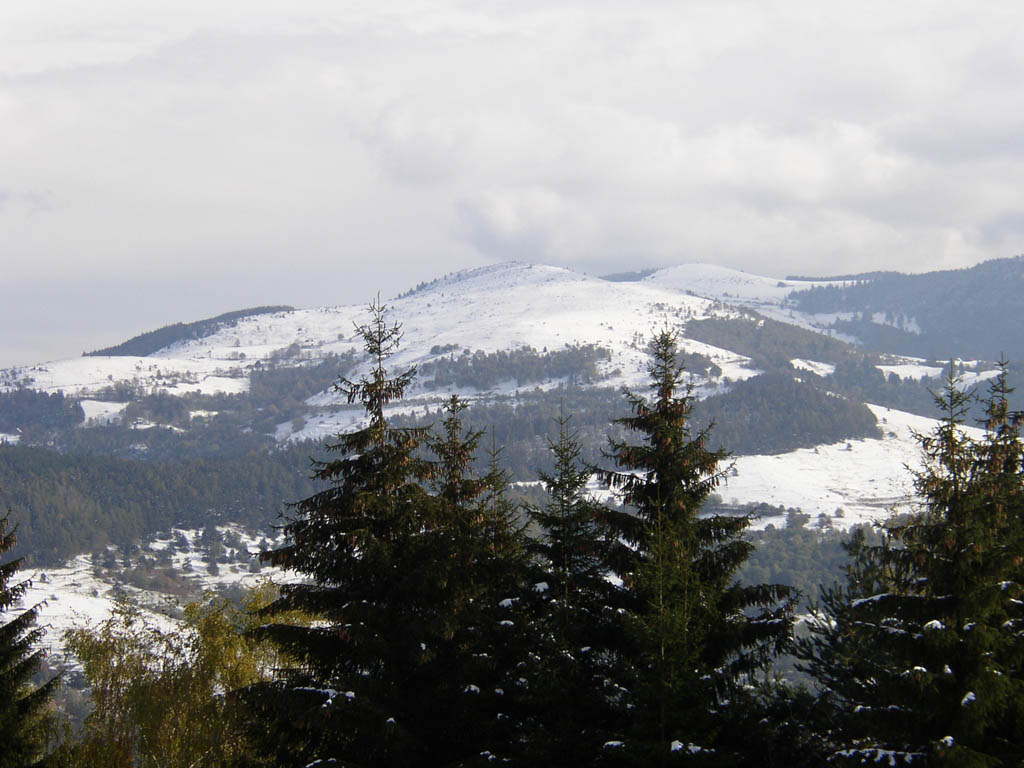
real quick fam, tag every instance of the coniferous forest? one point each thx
(438, 621)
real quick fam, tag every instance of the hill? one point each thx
(521, 341)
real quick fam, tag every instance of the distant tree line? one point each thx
(153, 341)
(79, 503)
(523, 366)
(37, 414)
(975, 312)
(772, 345)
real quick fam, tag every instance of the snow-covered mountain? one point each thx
(492, 308)
(512, 306)
(496, 309)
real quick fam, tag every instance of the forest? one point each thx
(187, 458)
(438, 621)
(147, 343)
(932, 315)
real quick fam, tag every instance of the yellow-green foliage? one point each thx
(162, 697)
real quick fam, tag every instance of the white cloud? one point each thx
(260, 143)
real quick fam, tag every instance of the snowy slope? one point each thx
(722, 283)
(515, 305)
(79, 595)
(868, 479)
(494, 308)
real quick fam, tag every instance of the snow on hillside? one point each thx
(715, 282)
(766, 295)
(81, 594)
(102, 412)
(868, 479)
(90, 375)
(729, 285)
(913, 370)
(495, 308)
(819, 369)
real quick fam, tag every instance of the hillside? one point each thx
(521, 341)
(963, 313)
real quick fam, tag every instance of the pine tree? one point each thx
(482, 553)
(366, 686)
(699, 632)
(403, 664)
(919, 655)
(580, 643)
(507, 628)
(23, 716)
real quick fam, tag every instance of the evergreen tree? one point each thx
(483, 555)
(699, 633)
(580, 645)
(919, 655)
(384, 675)
(23, 716)
(505, 535)
(507, 627)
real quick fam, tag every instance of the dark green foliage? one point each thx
(524, 366)
(37, 414)
(23, 715)
(485, 553)
(391, 672)
(799, 557)
(75, 503)
(774, 413)
(973, 313)
(521, 424)
(580, 646)
(920, 654)
(160, 408)
(699, 633)
(269, 384)
(769, 343)
(153, 341)
(766, 414)
(859, 379)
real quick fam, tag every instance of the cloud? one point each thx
(243, 150)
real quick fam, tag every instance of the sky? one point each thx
(169, 160)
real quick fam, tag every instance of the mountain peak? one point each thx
(502, 276)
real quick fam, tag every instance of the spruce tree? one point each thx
(482, 554)
(508, 631)
(367, 686)
(580, 645)
(699, 633)
(919, 655)
(23, 715)
(409, 556)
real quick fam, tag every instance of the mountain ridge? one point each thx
(501, 336)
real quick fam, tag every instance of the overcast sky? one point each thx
(169, 160)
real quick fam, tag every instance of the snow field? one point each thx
(819, 369)
(868, 479)
(496, 308)
(80, 594)
(101, 412)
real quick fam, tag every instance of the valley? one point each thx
(518, 342)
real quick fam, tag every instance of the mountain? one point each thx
(975, 312)
(779, 377)
(209, 425)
